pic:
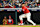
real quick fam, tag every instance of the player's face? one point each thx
(4, 17)
(23, 5)
(9, 17)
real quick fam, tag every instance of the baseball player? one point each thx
(26, 14)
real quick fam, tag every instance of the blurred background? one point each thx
(17, 3)
(33, 5)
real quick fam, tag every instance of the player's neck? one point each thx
(22, 6)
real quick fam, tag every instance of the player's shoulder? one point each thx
(25, 7)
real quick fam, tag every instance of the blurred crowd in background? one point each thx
(17, 3)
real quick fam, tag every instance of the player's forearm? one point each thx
(19, 11)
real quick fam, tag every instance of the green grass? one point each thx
(19, 26)
(29, 26)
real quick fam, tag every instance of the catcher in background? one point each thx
(26, 14)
